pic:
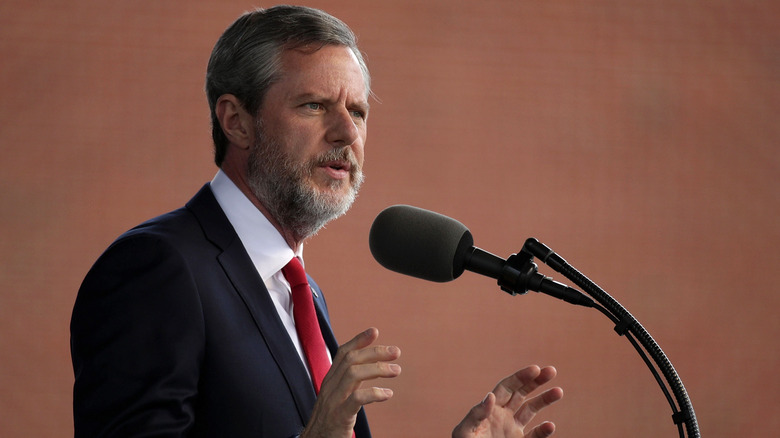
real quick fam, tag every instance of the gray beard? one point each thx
(280, 184)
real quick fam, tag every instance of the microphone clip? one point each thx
(517, 273)
(520, 274)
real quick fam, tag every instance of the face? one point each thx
(306, 163)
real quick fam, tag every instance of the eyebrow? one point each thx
(362, 105)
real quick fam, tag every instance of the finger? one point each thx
(357, 397)
(358, 373)
(356, 366)
(356, 351)
(514, 383)
(531, 407)
(358, 361)
(361, 340)
(545, 375)
(371, 354)
(365, 396)
(542, 431)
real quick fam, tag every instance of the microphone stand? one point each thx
(520, 275)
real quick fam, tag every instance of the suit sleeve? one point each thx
(137, 342)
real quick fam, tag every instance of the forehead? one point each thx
(327, 70)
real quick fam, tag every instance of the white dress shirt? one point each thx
(266, 247)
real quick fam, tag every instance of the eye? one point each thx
(359, 114)
(314, 106)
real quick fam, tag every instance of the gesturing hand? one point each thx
(342, 394)
(506, 411)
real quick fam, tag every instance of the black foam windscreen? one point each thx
(418, 242)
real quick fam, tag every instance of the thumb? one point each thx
(475, 417)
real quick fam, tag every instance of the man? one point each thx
(188, 324)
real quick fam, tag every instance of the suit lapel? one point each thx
(238, 267)
(324, 319)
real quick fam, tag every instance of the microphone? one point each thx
(428, 245)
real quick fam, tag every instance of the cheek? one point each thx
(358, 153)
(359, 148)
(299, 146)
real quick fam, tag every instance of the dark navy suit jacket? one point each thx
(174, 334)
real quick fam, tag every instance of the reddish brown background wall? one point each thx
(639, 139)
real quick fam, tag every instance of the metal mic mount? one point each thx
(625, 325)
(519, 274)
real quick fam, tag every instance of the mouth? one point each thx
(337, 169)
(339, 165)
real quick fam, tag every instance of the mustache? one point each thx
(343, 153)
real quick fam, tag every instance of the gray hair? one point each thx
(246, 60)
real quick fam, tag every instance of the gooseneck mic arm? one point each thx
(626, 325)
(431, 246)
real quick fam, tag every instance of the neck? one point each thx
(292, 239)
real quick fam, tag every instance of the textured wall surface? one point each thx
(639, 139)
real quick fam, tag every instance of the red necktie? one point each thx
(306, 323)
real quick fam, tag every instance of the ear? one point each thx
(236, 122)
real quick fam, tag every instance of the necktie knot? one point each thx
(294, 273)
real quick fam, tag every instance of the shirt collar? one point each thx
(263, 242)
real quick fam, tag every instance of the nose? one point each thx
(342, 128)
